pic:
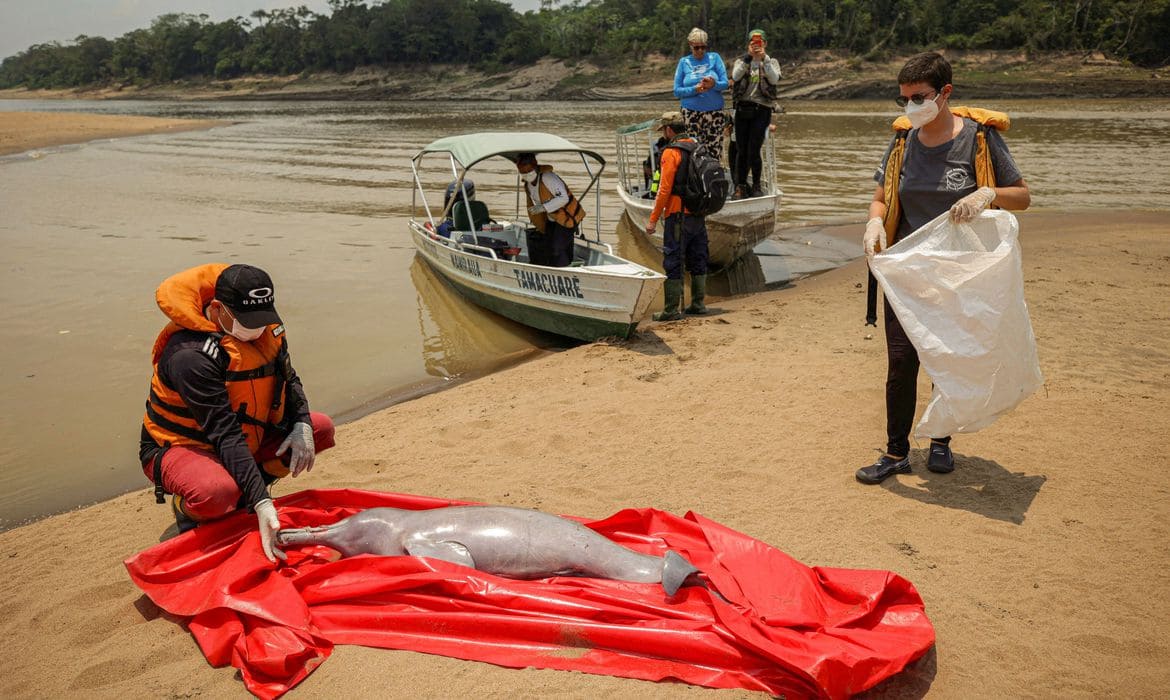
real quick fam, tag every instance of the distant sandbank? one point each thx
(26, 131)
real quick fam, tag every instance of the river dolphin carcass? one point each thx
(511, 542)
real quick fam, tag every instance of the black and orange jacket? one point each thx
(666, 202)
(213, 392)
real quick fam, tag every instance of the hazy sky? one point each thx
(27, 22)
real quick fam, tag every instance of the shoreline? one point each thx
(26, 132)
(983, 74)
(755, 417)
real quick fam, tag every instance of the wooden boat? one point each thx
(732, 231)
(485, 257)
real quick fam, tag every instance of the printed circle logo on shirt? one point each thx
(957, 179)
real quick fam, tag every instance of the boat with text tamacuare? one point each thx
(732, 231)
(485, 256)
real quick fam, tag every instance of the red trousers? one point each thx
(207, 489)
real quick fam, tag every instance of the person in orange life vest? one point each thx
(227, 414)
(941, 159)
(685, 235)
(554, 211)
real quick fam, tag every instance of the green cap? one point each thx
(755, 32)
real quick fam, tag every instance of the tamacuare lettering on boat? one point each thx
(468, 265)
(561, 285)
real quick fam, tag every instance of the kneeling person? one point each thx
(227, 414)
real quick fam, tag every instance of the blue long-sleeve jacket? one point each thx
(690, 73)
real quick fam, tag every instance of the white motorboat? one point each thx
(732, 231)
(485, 256)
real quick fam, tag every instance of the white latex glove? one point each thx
(969, 207)
(304, 452)
(875, 236)
(536, 209)
(269, 525)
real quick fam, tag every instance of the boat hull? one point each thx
(585, 303)
(732, 231)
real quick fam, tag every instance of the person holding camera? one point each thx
(754, 76)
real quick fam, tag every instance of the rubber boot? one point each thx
(673, 291)
(698, 294)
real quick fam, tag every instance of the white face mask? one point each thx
(923, 114)
(243, 333)
(530, 177)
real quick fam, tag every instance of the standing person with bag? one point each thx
(941, 158)
(753, 96)
(699, 82)
(227, 414)
(685, 235)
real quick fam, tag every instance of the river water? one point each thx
(318, 193)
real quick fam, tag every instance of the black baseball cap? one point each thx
(248, 293)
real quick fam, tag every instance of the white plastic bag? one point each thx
(958, 291)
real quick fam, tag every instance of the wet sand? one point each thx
(26, 131)
(1040, 558)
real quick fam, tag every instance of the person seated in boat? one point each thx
(447, 225)
(554, 211)
(755, 76)
(651, 169)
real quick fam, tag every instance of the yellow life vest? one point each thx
(568, 216)
(984, 169)
(254, 378)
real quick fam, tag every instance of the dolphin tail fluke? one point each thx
(675, 572)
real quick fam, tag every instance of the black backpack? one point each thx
(700, 181)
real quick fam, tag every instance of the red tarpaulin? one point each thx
(780, 627)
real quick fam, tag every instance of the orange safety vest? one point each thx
(254, 379)
(569, 216)
(984, 169)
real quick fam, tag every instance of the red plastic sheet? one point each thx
(776, 626)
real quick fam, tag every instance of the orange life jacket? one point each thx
(984, 169)
(254, 378)
(569, 216)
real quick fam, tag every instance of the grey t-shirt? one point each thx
(934, 178)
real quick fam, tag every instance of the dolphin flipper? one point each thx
(675, 571)
(446, 550)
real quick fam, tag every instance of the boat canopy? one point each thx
(469, 149)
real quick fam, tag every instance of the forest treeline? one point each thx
(491, 35)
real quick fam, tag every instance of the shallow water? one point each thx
(318, 193)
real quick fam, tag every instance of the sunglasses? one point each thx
(916, 99)
(699, 47)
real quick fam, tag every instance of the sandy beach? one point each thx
(1041, 558)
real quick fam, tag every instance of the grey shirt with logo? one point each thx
(934, 178)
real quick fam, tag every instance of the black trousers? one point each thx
(553, 248)
(901, 386)
(751, 126)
